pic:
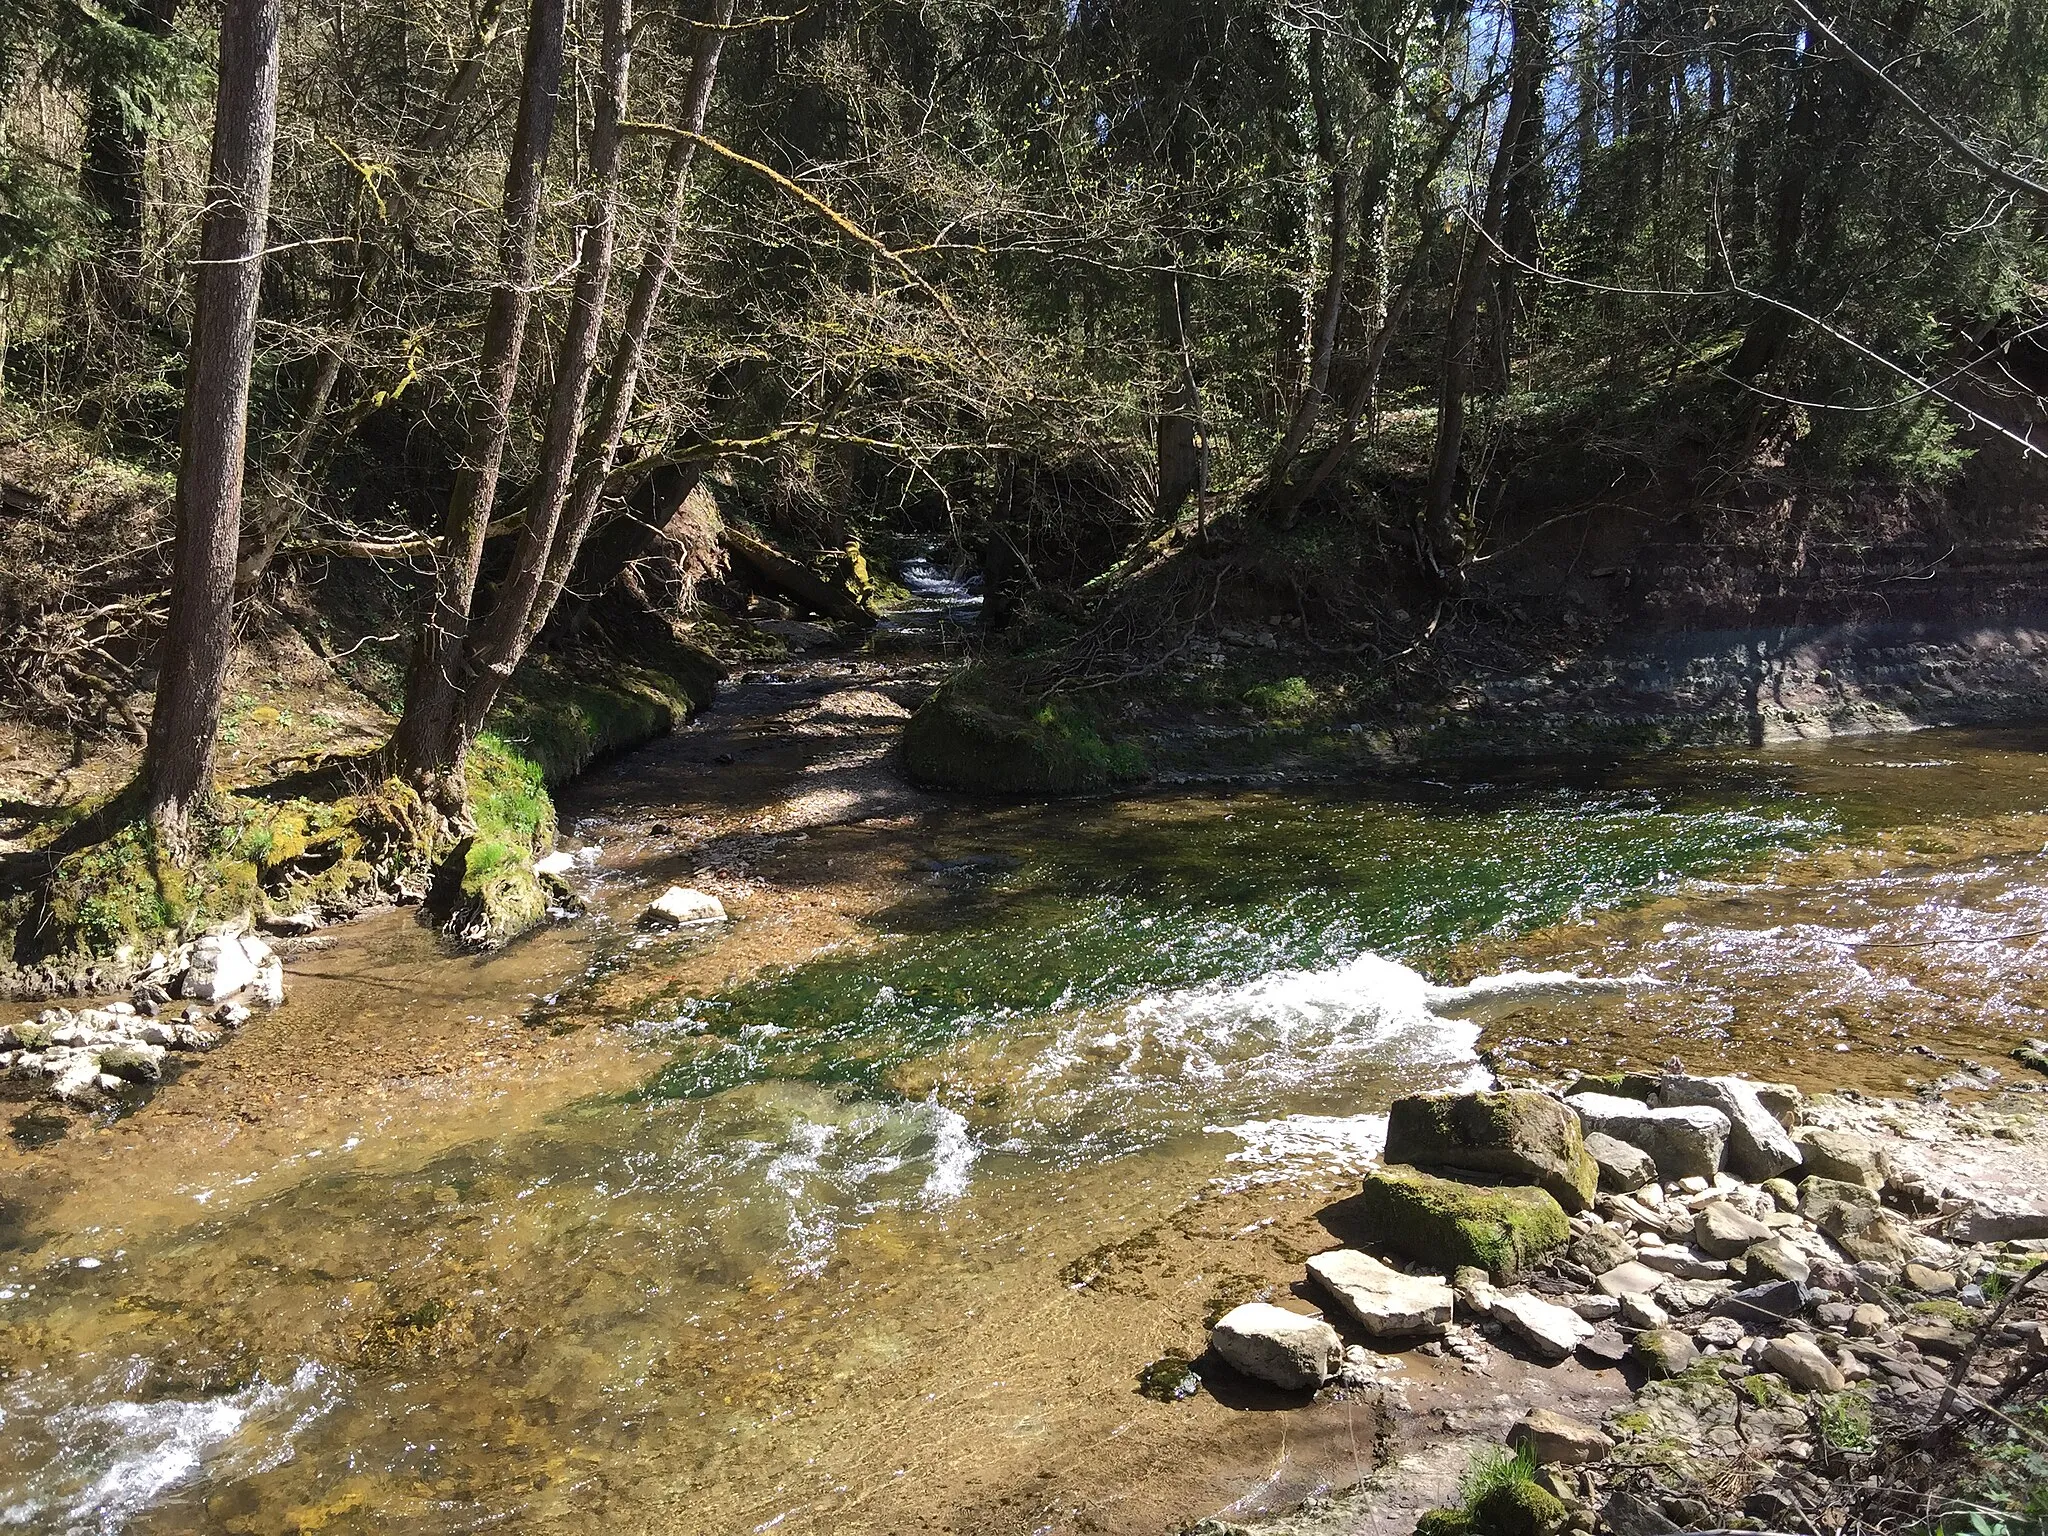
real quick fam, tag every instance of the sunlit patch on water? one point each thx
(90, 1467)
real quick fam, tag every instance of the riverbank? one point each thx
(1849, 1350)
(801, 1157)
(1257, 707)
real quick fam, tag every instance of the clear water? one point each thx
(879, 1239)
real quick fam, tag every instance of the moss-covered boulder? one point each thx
(1503, 1230)
(1519, 1134)
(974, 735)
(1518, 1509)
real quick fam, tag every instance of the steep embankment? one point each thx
(1650, 621)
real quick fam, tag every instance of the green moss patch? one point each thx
(253, 857)
(1441, 1222)
(974, 735)
(562, 716)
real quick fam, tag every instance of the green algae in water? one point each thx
(1118, 904)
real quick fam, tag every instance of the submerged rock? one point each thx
(1383, 1301)
(1169, 1379)
(1273, 1345)
(1517, 1134)
(1443, 1223)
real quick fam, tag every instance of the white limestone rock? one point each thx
(216, 969)
(1383, 1301)
(1551, 1331)
(681, 907)
(1282, 1348)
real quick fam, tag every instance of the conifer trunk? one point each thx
(177, 767)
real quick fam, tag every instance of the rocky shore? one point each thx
(1810, 1304)
(86, 1057)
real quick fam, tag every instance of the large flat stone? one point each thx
(1383, 1301)
(1630, 1279)
(1799, 1360)
(1555, 1439)
(1758, 1146)
(1987, 1224)
(1840, 1155)
(1622, 1167)
(1552, 1332)
(1723, 1231)
(1445, 1223)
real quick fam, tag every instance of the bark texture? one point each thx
(426, 744)
(177, 768)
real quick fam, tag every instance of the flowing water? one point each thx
(877, 1241)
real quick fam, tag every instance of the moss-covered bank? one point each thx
(978, 733)
(342, 837)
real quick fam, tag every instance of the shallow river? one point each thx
(878, 1242)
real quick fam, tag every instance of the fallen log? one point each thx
(794, 580)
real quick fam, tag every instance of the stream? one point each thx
(862, 1214)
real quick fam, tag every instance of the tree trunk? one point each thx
(428, 743)
(177, 768)
(281, 501)
(555, 532)
(1179, 450)
(1443, 543)
(496, 650)
(116, 147)
(1330, 306)
(600, 453)
(1522, 214)
(116, 156)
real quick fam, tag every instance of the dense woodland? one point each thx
(1062, 285)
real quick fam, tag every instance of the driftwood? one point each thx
(795, 580)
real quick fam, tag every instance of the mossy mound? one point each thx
(253, 857)
(564, 715)
(974, 735)
(1518, 1509)
(487, 893)
(1440, 1222)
